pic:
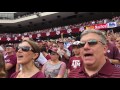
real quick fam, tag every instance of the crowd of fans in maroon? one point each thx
(95, 55)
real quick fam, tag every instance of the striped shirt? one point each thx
(107, 71)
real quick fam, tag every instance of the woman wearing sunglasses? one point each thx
(93, 47)
(54, 68)
(27, 52)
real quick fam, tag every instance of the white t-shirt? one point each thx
(1, 49)
(41, 59)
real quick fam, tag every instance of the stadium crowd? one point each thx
(95, 54)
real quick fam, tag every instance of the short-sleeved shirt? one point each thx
(37, 75)
(107, 71)
(74, 63)
(12, 59)
(113, 52)
(51, 71)
(41, 59)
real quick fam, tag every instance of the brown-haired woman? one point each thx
(2, 67)
(27, 52)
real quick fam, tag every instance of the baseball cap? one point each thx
(76, 43)
(9, 45)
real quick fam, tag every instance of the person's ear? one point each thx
(35, 56)
(105, 49)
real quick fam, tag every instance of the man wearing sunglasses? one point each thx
(93, 47)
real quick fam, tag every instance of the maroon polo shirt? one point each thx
(107, 71)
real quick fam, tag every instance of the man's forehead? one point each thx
(90, 36)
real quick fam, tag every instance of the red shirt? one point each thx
(107, 71)
(74, 63)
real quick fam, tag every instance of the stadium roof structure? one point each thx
(29, 21)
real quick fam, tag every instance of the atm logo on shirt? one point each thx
(75, 63)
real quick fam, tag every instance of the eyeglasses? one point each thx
(24, 48)
(90, 42)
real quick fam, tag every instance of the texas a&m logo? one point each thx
(75, 63)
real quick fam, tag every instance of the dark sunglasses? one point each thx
(90, 42)
(24, 48)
